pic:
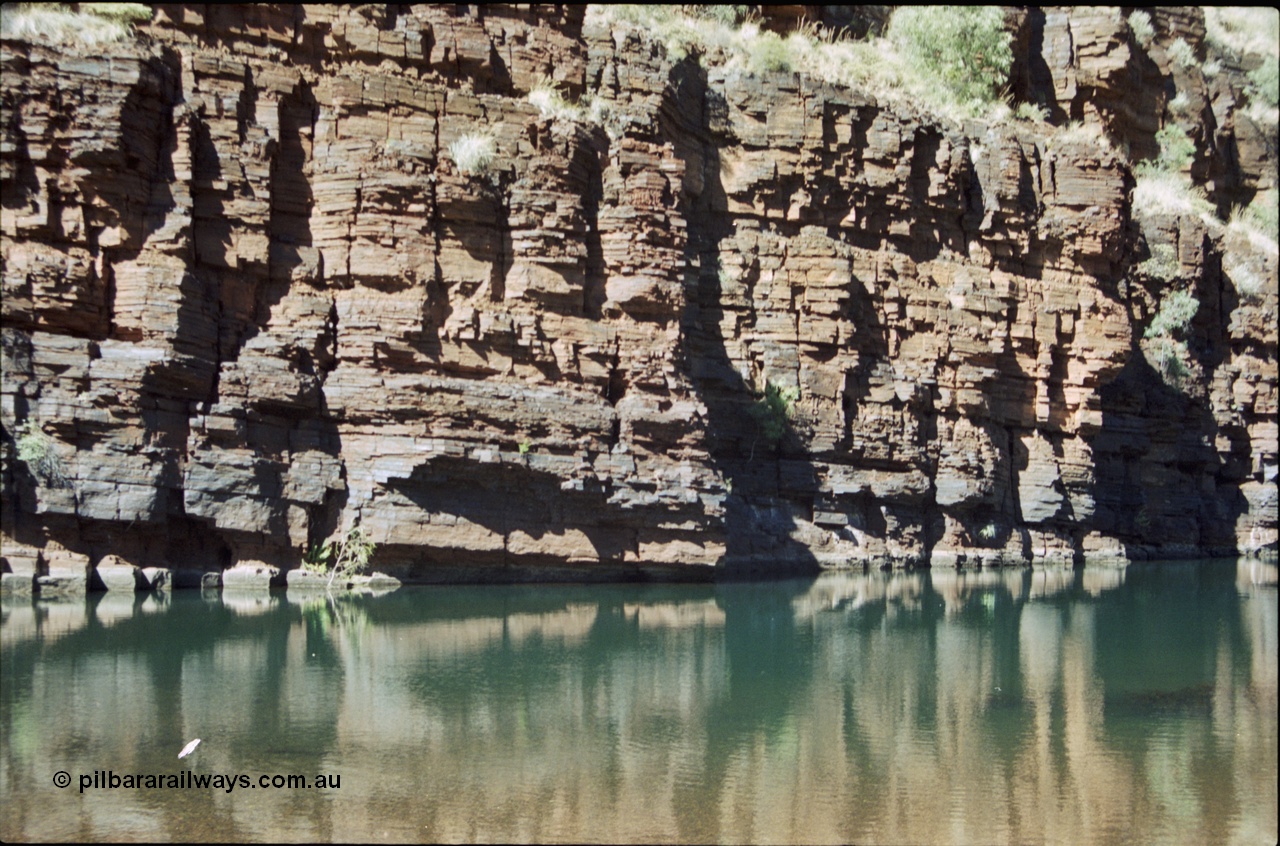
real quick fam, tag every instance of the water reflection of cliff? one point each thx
(936, 706)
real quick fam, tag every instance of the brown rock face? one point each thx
(252, 299)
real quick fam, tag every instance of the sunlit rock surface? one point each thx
(253, 301)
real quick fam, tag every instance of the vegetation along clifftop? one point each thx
(519, 292)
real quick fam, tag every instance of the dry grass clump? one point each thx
(1031, 112)
(474, 153)
(53, 24)
(1184, 55)
(1249, 278)
(1142, 28)
(1157, 192)
(1253, 246)
(132, 13)
(1163, 188)
(593, 110)
(553, 104)
(1242, 30)
(1081, 133)
(1259, 222)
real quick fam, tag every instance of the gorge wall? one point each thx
(252, 301)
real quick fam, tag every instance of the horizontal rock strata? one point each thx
(252, 300)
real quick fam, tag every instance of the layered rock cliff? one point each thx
(744, 323)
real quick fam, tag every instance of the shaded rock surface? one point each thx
(253, 301)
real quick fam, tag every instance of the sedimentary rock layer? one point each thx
(252, 301)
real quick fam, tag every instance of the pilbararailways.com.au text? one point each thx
(187, 780)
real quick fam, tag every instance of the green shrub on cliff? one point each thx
(1248, 34)
(35, 449)
(1167, 353)
(771, 54)
(952, 61)
(1174, 315)
(772, 410)
(1176, 149)
(54, 24)
(316, 559)
(1263, 215)
(729, 15)
(1168, 357)
(967, 48)
(1163, 264)
(1265, 82)
(342, 558)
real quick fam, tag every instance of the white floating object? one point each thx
(189, 748)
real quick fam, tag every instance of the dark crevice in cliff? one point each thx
(594, 289)
(758, 519)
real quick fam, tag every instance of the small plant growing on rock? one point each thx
(1163, 264)
(524, 446)
(1174, 316)
(1169, 358)
(772, 410)
(1162, 187)
(473, 153)
(1240, 30)
(317, 557)
(595, 110)
(1076, 132)
(1156, 192)
(1142, 520)
(1176, 148)
(1167, 354)
(726, 14)
(989, 533)
(341, 558)
(35, 449)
